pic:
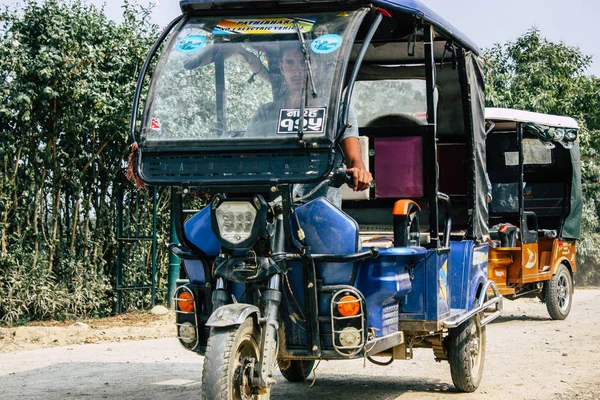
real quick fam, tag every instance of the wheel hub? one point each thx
(562, 292)
(243, 377)
(475, 347)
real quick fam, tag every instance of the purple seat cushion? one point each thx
(399, 167)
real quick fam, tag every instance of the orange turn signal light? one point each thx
(185, 301)
(348, 306)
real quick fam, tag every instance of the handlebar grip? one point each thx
(182, 253)
(340, 177)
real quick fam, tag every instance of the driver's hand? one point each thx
(361, 179)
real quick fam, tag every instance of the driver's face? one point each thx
(293, 69)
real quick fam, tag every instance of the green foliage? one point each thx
(67, 78)
(535, 74)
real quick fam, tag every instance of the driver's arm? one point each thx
(361, 178)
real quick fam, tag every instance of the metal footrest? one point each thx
(494, 304)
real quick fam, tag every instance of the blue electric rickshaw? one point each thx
(277, 279)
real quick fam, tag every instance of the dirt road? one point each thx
(528, 357)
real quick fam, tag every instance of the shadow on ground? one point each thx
(162, 380)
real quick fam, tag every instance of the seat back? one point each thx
(399, 167)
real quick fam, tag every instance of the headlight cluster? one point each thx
(235, 221)
(238, 223)
(549, 135)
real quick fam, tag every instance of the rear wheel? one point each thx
(296, 370)
(229, 362)
(558, 293)
(466, 354)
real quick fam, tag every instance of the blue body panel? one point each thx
(384, 282)
(195, 271)
(328, 230)
(199, 232)
(465, 281)
(402, 284)
(429, 299)
(414, 7)
(446, 284)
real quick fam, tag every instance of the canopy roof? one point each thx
(507, 114)
(414, 7)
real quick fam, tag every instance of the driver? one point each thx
(265, 119)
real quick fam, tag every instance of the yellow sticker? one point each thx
(444, 281)
(263, 26)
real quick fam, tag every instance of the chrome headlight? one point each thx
(570, 135)
(238, 223)
(559, 134)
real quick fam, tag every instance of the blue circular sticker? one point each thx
(326, 44)
(190, 44)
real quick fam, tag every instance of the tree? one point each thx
(67, 77)
(535, 74)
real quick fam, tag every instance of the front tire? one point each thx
(229, 353)
(296, 370)
(558, 293)
(466, 354)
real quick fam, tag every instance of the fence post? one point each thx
(174, 262)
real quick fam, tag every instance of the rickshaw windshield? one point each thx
(247, 77)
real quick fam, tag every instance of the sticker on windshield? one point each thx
(190, 44)
(262, 26)
(326, 44)
(314, 120)
(155, 124)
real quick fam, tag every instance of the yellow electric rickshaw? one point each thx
(534, 198)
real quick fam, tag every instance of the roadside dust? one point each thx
(129, 326)
(528, 356)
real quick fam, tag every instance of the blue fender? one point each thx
(231, 315)
(475, 290)
(478, 276)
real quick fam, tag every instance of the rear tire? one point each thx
(228, 352)
(558, 293)
(297, 371)
(466, 354)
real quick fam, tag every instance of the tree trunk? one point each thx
(56, 204)
(74, 231)
(13, 184)
(36, 243)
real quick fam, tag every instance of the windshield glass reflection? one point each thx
(246, 78)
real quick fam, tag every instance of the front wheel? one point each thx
(229, 362)
(466, 353)
(558, 293)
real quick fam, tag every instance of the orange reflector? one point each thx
(185, 301)
(348, 306)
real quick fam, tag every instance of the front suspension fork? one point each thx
(271, 302)
(270, 325)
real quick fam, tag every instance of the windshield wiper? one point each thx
(311, 77)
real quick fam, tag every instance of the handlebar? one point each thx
(182, 252)
(373, 252)
(337, 258)
(339, 177)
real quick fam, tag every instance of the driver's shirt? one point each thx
(266, 119)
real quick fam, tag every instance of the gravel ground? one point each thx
(528, 356)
